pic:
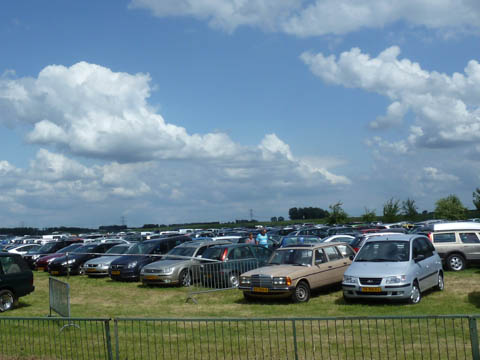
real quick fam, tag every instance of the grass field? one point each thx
(106, 298)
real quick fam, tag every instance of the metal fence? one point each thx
(420, 337)
(218, 275)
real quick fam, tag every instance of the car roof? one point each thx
(395, 237)
(198, 243)
(314, 246)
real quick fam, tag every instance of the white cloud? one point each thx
(88, 114)
(435, 174)
(320, 17)
(446, 108)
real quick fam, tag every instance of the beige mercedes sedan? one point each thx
(294, 271)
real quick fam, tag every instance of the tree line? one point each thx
(449, 208)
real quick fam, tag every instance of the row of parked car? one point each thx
(389, 264)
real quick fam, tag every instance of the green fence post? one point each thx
(109, 339)
(472, 324)
(295, 339)
(117, 346)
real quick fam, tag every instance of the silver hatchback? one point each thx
(396, 266)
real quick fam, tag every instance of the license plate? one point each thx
(371, 289)
(40, 268)
(115, 272)
(150, 277)
(91, 270)
(260, 289)
(55, 272)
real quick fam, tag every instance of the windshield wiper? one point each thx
(380, 260)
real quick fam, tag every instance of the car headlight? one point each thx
(347, 279)
(35, 257)
(245, 280)
(282, 280)
(132, 265)
(395, 279)
(167, 271)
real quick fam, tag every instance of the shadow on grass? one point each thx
(287, 299)
(474, 298)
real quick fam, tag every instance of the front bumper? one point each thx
(400, 291)
(159, 279)
(268, 291)
(123, 274)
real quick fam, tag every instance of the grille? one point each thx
(371, 293)
(370, 281)
(261, 281)
(150, 271)
(117, 267)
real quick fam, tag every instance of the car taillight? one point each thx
(430, 237)
(356, 249)
(224, 255)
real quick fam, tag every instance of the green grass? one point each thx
(106, 298)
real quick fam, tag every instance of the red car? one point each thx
(42, 263)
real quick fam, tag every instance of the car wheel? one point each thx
(184, 279)
(455, 262)
(415, 294)
(7, 300)
(440, 282)
(301, 293)
(233, 280)
(81, 271)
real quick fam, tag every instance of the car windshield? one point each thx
(69, 248)
(384, 251)
(117, 249)
(85, 249)
(45, 248)
(142, 248)
(181, 251)
(292, 256)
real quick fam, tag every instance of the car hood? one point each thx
(279, 270)
(161, 264)
(377, 269)
(102, 260)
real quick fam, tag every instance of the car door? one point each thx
(321, 274)
(421, 267)
(14, 274)
(337, 264)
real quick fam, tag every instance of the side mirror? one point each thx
(351, 257)
(419, 258)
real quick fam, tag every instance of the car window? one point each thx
(444, 238)
(320, 256)
(242, 252)
(345, 250)
(9, 266)
(384, 251)
(469, 238)
(425, 248)
(332, 253)
(201, 250)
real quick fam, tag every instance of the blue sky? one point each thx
(168, 111)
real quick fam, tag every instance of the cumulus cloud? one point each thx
(446, 107)
(87, 113)
(320, 17)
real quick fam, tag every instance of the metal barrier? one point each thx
(218, 275)
(399, 338)
(53, 338)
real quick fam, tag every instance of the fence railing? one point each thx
(415, 337)
(218, 275)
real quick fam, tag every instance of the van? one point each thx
(457, 243)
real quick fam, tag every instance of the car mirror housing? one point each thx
(419, 258)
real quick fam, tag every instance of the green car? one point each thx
(16, 280)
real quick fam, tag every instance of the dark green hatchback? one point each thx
(16, 280)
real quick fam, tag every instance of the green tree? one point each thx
(369, 216)
(337, 215)
(273, 219)
(476, 198)
(409, 209)
(391, 210)
(281, 218)
(450, 208)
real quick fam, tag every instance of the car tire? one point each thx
(184, 279)
(440, 282)
(301, 293)
(415, 294)
(233, 280)
(455, 262)
(7, 300)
